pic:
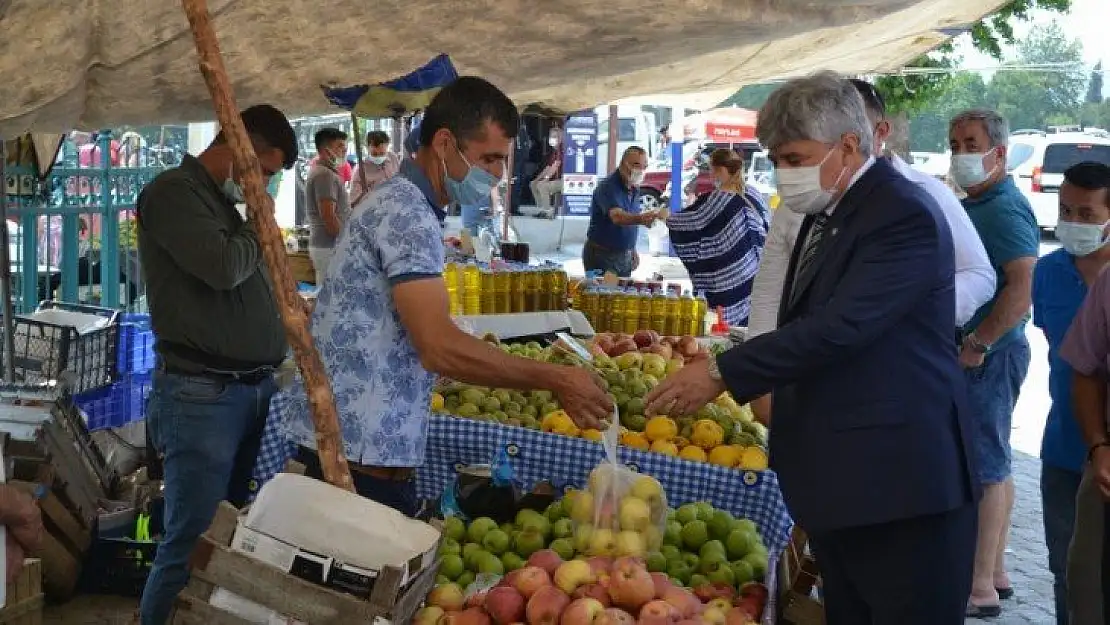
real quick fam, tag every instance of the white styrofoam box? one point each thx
(82, 322)
(321, 519)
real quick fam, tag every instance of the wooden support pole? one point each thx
(260, 208)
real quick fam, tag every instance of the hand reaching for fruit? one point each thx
(581, 395)
(684, 391)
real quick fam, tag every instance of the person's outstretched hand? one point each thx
(582, 396)
(684, 391)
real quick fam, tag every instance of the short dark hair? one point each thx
(1090, 176)
(324, 136)
(464, 107)
(377, 137)
(268, 128)
(872, 100)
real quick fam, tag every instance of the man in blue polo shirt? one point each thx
(993, 347)
(615, 216)
(1060, 282)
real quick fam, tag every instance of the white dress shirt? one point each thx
(975, 278)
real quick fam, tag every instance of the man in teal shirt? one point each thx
(993, 347)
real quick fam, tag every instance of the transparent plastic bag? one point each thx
(620, 512)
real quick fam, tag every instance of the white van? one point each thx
(636, 127)
(1038, 161)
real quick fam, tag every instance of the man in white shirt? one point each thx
(975, 278)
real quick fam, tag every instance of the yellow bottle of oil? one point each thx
(700, 315)
(488, 305)
(659, 313)
(543, 288)
(604, 310)
(451, 279)
(643, 299)
(559, 290)
(673, 321)
(632, 312)
(472, 290)
(689, 310)
(618, 311)
(534, 291)
(501, 288)
(517, 282)
(589, 305)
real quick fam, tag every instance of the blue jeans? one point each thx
(992, 390)
(1059, 488)
(597, 258)
(208, 432)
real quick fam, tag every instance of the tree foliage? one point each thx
(1094, 89)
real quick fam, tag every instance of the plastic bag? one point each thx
(620, 512)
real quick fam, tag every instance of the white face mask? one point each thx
(378, 160)
(1081, 239)
(800, 190)
(553, 140)
(967, 170)
(636, 177)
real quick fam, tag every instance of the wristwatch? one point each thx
(1093, 448)
(714, 370)
(972, 342)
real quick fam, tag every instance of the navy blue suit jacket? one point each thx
(870, 413)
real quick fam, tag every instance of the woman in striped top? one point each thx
(720, 237)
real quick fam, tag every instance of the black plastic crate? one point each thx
(50, 354)
(117, 566)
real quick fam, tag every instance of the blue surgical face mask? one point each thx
(473, 189)
(1081, 239)
(232, 190)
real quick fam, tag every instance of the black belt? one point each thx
(250, 378)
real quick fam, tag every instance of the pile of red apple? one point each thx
(597, 591)
(649, 342)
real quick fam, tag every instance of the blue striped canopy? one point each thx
(395, 97)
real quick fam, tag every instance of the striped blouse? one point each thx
(720, 241)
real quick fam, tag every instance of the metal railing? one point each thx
(71, 232)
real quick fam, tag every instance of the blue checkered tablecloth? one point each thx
(566, 463)
(275, 449)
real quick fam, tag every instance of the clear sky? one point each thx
(1087, 22)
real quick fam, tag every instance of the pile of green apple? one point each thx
(701, 546)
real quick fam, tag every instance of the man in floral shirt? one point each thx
(382, 323)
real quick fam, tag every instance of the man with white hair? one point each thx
(870, 440)
(975, 278)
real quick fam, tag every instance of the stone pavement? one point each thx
(1027, 557)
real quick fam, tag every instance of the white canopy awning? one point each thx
(101, 63)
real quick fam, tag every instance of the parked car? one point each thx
(935, 164)
(1038, 161)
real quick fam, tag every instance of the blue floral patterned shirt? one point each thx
(381, 390)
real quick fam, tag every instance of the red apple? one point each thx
(683, 601)
(739, 616)
(546, 605)
(547, 560)
(645, 338)
(530, 579)
(448, 596)
(662, 584)
(469, 616)
(594, 591)
(662, 349)
(505, 605)
(709, 592)
(600, 564)
(630, 585)
(615, 616)
(582, 611)
(477, 600)
(658, 612)
(754, 588)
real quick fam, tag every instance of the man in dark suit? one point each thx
(870, 439)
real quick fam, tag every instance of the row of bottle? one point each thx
(628, 310)
(479, 289)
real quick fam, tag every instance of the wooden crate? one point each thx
(215, 564)
(798, 578)
(300, 265)
(25, 600)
